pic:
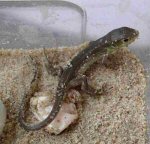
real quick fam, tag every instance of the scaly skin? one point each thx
(108, 44)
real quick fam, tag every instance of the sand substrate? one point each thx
(117, 116)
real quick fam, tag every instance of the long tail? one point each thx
(48, 120)
(51, 116)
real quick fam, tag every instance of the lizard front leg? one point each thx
(85, 87)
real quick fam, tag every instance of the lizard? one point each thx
(107, 44)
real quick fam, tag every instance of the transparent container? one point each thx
(41, 24)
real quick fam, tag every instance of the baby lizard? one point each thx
(108, 44)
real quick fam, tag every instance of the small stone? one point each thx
(66, 116)
(2, 116)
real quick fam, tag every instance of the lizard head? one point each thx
(121, 37)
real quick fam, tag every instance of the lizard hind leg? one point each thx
(85, 87)
(51, 70)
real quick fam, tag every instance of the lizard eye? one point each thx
(126, 40)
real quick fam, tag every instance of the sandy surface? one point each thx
(118, 116)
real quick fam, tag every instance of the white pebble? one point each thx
(2, 116)
(66, 116)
